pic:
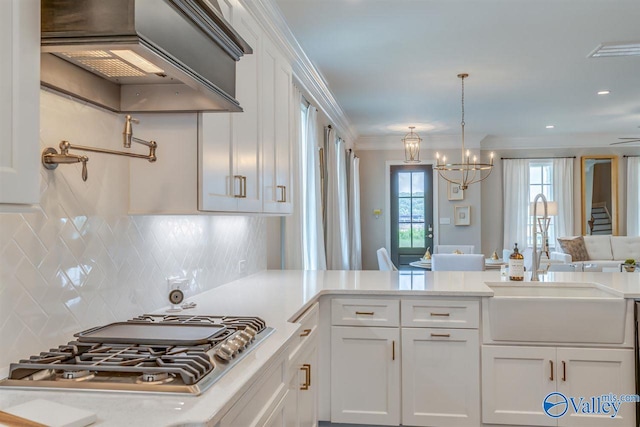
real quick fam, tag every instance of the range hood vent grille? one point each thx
(141, 55)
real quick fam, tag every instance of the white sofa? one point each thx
(605, 251)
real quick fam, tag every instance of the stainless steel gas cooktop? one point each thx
(150, 353)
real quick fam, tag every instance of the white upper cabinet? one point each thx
(19, 102)
(230, 142)
(276, 131)
(243, 160)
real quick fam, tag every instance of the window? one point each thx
(540, 181)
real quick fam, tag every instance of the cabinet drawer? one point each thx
(441, 313)
(365, 312)
(308, 329)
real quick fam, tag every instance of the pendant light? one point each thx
(469, 170)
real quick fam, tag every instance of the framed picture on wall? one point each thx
(455, 192)
(462, 215)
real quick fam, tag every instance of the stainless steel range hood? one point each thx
(141, 55)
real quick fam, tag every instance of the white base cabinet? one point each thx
(387, 371)
(365, 375)
(303, 371)
(440, 377)
(516, 379)
(265, 402)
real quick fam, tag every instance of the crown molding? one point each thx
(311, 82)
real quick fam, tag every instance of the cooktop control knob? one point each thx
(235, 346)
(249, 330)
(246, 336)
(239, 339)
(225, 352)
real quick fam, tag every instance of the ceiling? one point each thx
(393, 63)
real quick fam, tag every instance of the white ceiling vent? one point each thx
(616, 49)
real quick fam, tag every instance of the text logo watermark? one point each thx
(557, 404)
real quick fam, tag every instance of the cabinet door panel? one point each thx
(586, 372)
(308, 396)
(285, 192)
(217, 184)
(440, 377)
(20, 102)
(265, 400)
(268, 122)
(515, 380)
(365, 375)
(246, 124)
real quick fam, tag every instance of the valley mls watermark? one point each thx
(557, 404)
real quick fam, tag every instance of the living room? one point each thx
(534, 91)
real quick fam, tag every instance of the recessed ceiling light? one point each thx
(616, 49)
(604, 92)
(550, 126)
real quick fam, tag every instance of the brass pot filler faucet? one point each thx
(51, 158)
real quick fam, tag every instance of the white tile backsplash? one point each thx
(82, 261)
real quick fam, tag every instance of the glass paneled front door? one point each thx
(411, 212)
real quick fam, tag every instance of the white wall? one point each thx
(82, 261)
(372, 187)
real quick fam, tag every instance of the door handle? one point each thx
(564, 370)
(441, 335)
(441, 314)
(365, 313)
(551, 369)
(393, 350)
(305, 332)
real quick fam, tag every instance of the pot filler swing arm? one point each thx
(51, 158)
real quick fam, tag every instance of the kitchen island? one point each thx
(280, 297)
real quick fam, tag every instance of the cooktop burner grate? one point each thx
(172, 368)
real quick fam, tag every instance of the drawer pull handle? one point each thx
(393, 350)
(307, 376)
(441, 335)
(305, 332)
(441, 314)
(551, 370)
(365, 313)
(564, 370)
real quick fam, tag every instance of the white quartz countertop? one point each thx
(278, 297)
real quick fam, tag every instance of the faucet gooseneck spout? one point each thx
(535, 262)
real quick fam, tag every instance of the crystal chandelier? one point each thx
(411, 143)
(469, 170)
